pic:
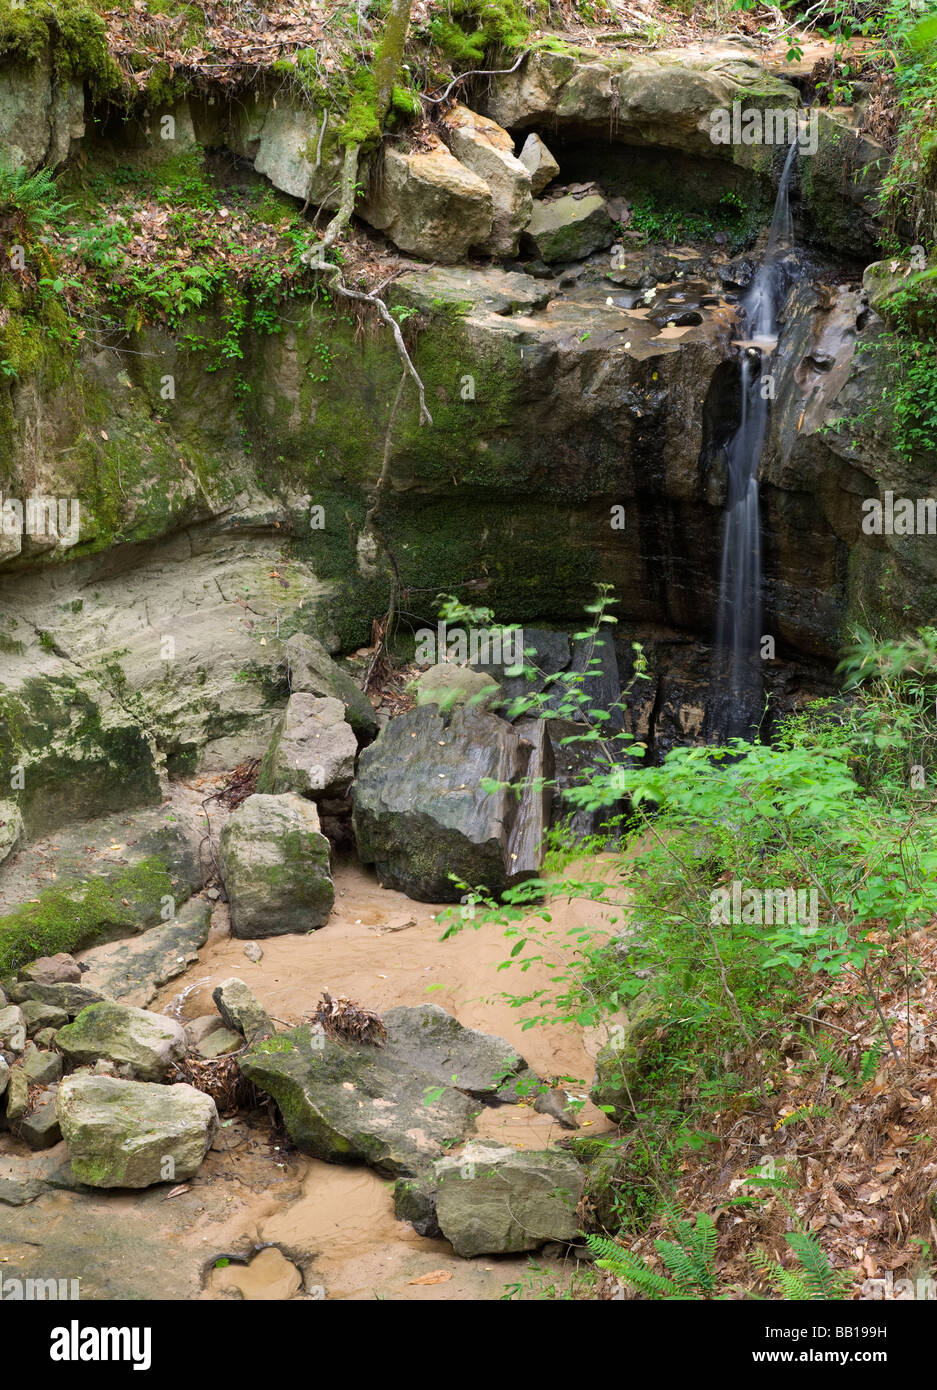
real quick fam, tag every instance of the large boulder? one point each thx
(495, 1200)
(312, 751)
(275, 867)
(428, 1037)
(488, 150)
(144, 1042)
(344, 1103)
(539, 163)
(419, 808)
(430, 204)
(311, 671)
(569, 229)
(130, 1134)
(241, 1011)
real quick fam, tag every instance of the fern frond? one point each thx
(817, 1270)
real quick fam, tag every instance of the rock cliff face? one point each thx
(579, 411)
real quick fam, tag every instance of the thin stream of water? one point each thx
(739, 620)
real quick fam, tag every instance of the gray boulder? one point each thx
(311, 671)
(539, 163)
(419, 808)
(12, 1028)
(494, 1200)
(312, 751)
(41, 1068)
(275, 866)
(131, 1134)
(240, 1010)
(52, 970)
(4, 1075)
(69, 998)
(41, 1016)
(343, 1103)
(145, 1042)
(430, 1038)
(569, 229)
(39, 1128)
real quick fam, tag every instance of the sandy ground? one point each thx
(334, 1225)
(381, 949)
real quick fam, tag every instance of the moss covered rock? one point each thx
(145, 1043)
(495, 1200)
(131, 1134)
(345, 1104)
(275, 866)
(569, 229)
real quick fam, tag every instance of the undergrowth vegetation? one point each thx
(739, 895)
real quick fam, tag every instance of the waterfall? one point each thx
(739, 621)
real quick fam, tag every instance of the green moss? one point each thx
(53, 729)
(476, 27)
(71, 30)
(70, 919)
(278, 1044)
